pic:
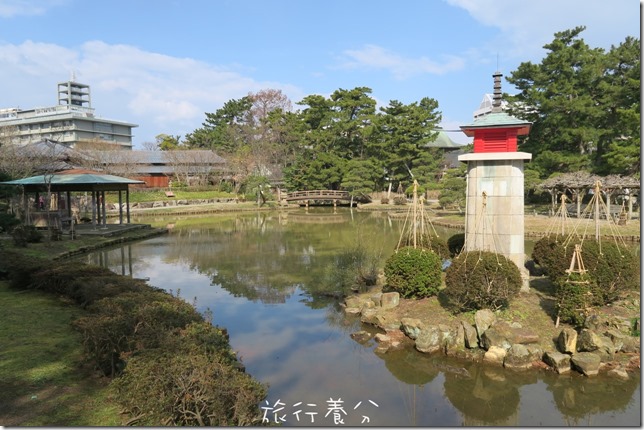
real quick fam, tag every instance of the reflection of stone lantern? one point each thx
(494, 201)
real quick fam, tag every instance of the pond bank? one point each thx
(520, 338)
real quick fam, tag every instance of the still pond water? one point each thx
(255, 272)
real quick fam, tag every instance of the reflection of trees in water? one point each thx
(256, 256)
(119, 260)
(410, 366)
(578, 397)
(489, 396)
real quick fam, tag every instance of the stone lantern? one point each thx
(494, 202)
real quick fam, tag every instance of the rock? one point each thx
(558, 361)
(518, 357)
(631, 344)
(386, 322)
(500, 334)
(589, 341)
(361, 336)
(617, 337)
(586, 362)
(429, 340)
(495, 355)
(535, 351)
(390, 300)
(523, 335)
(567, 341)
(411, 327)
(352, 311)
(447, 335)
(471, 338)
(369, 316)
(619, 373)
(456, 341)
(353, 302)
(382, 337)
(483, 319)
(368, 305)
(376, 299)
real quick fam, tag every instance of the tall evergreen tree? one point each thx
(580, 101)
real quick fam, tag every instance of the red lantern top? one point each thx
(496, 131)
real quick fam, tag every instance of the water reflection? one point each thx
(257, 273)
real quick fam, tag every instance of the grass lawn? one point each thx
(42, 378)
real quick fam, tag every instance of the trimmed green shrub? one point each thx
(400, 200)
(575, 296)
(614, 269)
(455, 244)
(431, 242)
(83, 283)
(20, 268)
(130, 322)
(550, 254)
(179, 388)
(8, 222)
(414, 272)
(481, 280)
(25, 234)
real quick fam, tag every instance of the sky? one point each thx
(164, 64)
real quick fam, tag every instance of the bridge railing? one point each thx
(317, 194)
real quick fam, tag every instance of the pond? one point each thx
(256, 273)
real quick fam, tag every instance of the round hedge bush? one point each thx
(479, 280)
(455, 244)
(414, 272)
(575, 296)
(430, 242)
(614, 269)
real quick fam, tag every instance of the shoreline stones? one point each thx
(498, 342)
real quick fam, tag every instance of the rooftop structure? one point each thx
(70, 122)
(496, 131)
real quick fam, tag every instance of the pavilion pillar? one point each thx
(103, 209)
(94, 209)
(127, 203)
(120, 207)
(69, 205)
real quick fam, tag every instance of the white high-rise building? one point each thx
(70, 122)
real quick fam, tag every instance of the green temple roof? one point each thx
(497, 120)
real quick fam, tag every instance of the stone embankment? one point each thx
(604, 343)
(171, 203)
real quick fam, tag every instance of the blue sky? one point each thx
(163, 64)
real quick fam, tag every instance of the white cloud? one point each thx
(376, 57)
(11, 8)
(528, 25)
(163, 94)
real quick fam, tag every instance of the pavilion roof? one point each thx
(496, 120)
(66, 178)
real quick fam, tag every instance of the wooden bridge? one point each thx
(327, 195)
(334, 196)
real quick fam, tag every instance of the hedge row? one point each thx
(611, 271)
(169, 365)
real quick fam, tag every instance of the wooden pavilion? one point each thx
(62, 184)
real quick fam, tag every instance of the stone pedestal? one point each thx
(494, 219)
